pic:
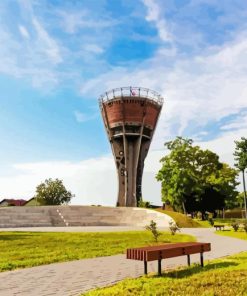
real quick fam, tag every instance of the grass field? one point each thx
(232, 233)
(26, 249)
(225, 277)
(184, 221)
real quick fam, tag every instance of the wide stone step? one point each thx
(79, 216)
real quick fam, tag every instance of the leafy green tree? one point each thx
(194, 179)
(52, 192)
(240, 200)
(185, 171)
(241, 163)
(224, 182)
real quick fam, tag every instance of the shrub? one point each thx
(173, 227)
(211, 221)
(245, 226)
(143, 204)
(235, 226)
(153, 228)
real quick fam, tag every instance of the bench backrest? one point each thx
(167, 251)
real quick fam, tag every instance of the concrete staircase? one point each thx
(25, 217)
(79, 216)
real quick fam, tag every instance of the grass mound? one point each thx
(223, 277)
(26, 249)
(181, 219)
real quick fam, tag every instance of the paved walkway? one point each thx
(73, 278)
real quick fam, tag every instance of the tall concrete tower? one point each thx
(130, 115)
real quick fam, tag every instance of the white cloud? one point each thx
(45, 56)
(224, 144)
(24, 32)
(78, 177)
(47, 44)
(33, 57)
(93, 181)
(153, 15)
(73, 21)
(240, 122)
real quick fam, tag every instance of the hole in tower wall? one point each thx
(122, 160)
(132, 129)
(147, 131)
(117, 129)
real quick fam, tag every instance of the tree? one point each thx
(185, 170)
(53, 192)
(194, 179)
(241, 163)
(224, 182)
(240, 200)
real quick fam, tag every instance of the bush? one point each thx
(235, 226)
(173, 227)
(211, 221)
(245, 226)
(143, 204)
(153, 228)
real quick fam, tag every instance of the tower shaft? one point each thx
(130, 120)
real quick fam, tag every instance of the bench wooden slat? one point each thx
(159, 252)
(151, 253)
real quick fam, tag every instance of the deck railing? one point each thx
(131, 91)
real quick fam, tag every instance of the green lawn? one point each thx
(25, 249)
(203, 224)
(232, 233)
(184, 221)
(225, 277)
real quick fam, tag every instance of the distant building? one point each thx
(12, 202)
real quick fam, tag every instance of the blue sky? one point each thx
(57, 57)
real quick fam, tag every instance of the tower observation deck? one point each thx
(130, 116)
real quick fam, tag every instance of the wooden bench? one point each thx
(219, 227)
(167, 251)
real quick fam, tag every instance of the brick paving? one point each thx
(75, 277)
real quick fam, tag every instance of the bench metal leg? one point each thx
(145, 267)
(201, 259)
(159, 267)
(188, 260)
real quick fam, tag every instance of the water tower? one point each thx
(130, 115)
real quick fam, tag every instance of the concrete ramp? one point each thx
(43, 216)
